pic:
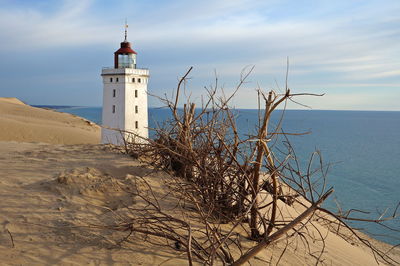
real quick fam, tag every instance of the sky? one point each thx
(52, 52)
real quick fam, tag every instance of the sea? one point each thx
(362, 149)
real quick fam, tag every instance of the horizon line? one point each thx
(233, 108)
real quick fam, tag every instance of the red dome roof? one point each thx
(125, 49)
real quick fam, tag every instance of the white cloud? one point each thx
(31, 29)
(330, 45)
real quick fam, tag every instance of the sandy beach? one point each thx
(58, 186)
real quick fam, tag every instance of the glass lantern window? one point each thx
(126, 61)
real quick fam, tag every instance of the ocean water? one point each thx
(363, 148)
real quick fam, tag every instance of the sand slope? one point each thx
(52, 195)
(11, 100)
(46, 190)
(24, 123)
(49, 194)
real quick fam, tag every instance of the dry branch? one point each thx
(275, 236)
(223, 177)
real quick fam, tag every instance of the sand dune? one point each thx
(49, 194)
(52, 195)
(12, 100)
(46, 190)
(24, 123)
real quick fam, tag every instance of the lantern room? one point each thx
(125, 57)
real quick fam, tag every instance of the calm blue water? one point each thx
(363, 146)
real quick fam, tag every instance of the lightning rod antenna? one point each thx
(126, 30)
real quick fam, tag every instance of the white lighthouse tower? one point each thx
(124, 98)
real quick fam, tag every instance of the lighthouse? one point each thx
(124, 116)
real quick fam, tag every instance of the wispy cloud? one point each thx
(70, 25)
(331, 45)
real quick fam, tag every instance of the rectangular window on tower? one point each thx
(114, 93)
(113, 109)
(133, 80)
(136, 124)
(116, 80)
(110, 79)
(135, 93)
(136, 109)
(139, 80)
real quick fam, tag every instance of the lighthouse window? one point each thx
(116, 80)
(126, 61)
(133, 80)
(113, 93)
(136, 124)
(113, 109)
(136, 109)
(110, 79)
(135, 93)
(139, 80)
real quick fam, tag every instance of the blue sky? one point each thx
(52, 52)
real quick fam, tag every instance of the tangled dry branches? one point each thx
(228, 182)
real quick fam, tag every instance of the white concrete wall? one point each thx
(125, 101)
(131, 117)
